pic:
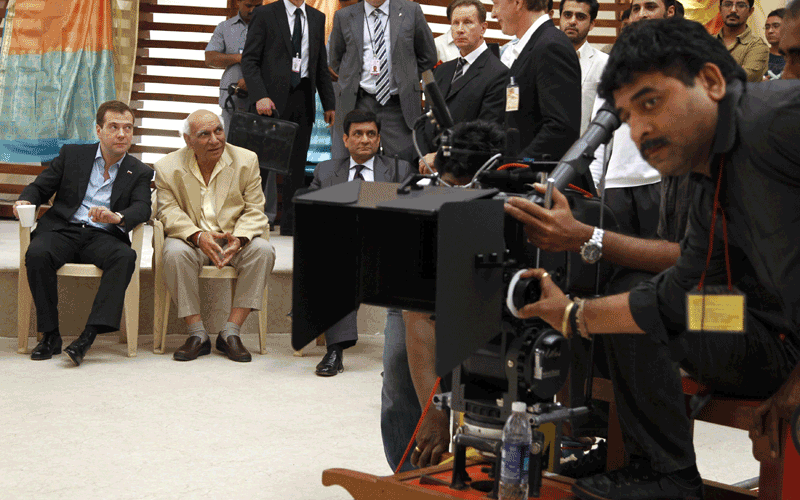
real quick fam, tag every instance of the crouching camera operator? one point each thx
(484, 138)
(690, 110)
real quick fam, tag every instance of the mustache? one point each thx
(651, 144)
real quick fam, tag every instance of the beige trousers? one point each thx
(182, 264)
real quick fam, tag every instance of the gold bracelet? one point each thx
(565, 320)
(580, 320)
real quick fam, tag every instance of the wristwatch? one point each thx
(121, 218)
(592, 250)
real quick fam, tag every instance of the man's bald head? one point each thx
(204, 134)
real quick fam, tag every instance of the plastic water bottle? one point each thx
(516, 454)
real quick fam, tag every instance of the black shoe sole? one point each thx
(73, 357)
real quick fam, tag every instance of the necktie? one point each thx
(382, 94)
(358, 175)
(459, 68)
(297, 43)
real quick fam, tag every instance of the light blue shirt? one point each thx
(368, 81)
(228, 38)
(98, 192)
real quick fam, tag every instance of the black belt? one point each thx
(364, 93)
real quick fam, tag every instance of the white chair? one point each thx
(131, 307)
(163, 300)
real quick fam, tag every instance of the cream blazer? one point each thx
(239, 200)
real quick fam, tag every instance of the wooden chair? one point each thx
(778, 477)
(131, 307)
(162, 298)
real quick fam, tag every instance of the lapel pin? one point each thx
(130, 172)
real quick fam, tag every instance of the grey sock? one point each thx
(198, 330)
(230, 329)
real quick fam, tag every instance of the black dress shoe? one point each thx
(638, 482)
(49, 345)
(331, 364)
(233, 348)
(78, 348)
(192, 348)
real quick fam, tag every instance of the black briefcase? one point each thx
(270, 138)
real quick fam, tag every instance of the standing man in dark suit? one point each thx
(362, 136)
(473, 84)
(101, 194)
(547, 110)
(379, 49)
(284, 62)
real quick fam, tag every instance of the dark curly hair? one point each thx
(483, 137)
(676, 47)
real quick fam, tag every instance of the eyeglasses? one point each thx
(738, 5)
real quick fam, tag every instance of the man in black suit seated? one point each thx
(362, 137)
(101, 193)
(547, 107)
(474, 84)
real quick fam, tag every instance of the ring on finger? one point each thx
(416, 448)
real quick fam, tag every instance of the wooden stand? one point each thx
(431, 483)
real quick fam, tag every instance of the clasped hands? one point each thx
(220, 257)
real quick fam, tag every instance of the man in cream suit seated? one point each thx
(212, 207)
(576, 20)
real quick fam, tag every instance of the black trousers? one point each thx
(636, 209)
(298, 111)
(50, 250)
(647, 383)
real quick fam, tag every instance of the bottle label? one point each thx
(516, 458)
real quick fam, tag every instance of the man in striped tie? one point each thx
(379, 48)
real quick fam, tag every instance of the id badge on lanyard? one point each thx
(716, 309)
(296, 61)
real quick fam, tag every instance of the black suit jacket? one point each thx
(68, 178)
(479, 94)
(549, 77)
(267, 58)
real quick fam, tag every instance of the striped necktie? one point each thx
(459, 68)
(358, 175)
(382, 94)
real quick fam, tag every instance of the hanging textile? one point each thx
(56, 67)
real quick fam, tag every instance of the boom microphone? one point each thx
(577, 159)
(434, 96)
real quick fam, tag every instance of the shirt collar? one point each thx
(744, 37)
(290, 8)
(237, 19)
(99, 154)
(369, 9)
(367, 164)
(528, 34)
(472, 56)
(585, 50)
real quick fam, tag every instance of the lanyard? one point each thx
(717, 208)
(369, 31)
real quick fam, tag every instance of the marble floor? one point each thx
(150, 428)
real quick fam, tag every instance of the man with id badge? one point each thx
(284, 63)
(379, 49)
(729, 311)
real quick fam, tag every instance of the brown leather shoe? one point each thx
(233, 348)
(192, 348)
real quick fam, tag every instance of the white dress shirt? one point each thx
(626, 168)
(290, 8)
(446, 49)
(513, 52)
(368, 173)
(470, 58)
(368, 81)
